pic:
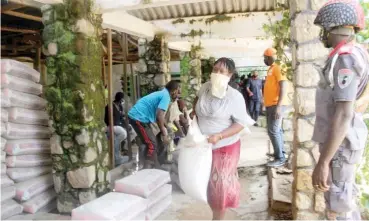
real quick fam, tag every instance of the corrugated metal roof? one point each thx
(203, 9)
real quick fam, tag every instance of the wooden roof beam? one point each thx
(10, 6)
(19, 30)
(22, 15)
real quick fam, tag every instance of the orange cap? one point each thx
(270, 52)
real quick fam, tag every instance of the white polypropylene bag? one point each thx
(141, 216)
(155, 211)
(7, 193)
(6, 181)
(24, 131)
(3, 156)
(39, 201)
(27, 147)
(3, 128)
(20, 84)
(27, 116)
(159, 195)
(10, 208)
(142, 183)
(30, 188)
(19, 69)
(4, 115)
(3, 168)
(194, 163)
(22, 174)
(3, 142)
(11, 98)
(28, 160)
(111, 206)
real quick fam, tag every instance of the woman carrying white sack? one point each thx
(221, 114)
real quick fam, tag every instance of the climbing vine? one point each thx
(280, 31)
(364, 34)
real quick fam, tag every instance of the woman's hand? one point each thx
(213, 139)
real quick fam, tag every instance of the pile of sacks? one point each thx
(142, 196)
(26, 179)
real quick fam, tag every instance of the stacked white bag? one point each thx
(25, 140)
(151, 184)
(141, 196)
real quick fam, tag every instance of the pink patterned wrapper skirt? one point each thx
(224, 187)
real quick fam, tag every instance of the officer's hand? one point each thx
(320, 177)
(165, 139)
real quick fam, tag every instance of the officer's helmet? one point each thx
(340, 13)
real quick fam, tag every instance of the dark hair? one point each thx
(172, 85)
(228, 63)
(119, 96)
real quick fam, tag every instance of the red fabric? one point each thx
(150, 146)
(224, 187)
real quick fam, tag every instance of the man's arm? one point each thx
(339, 128)
(282, 91)
(193, 113)
(160, 116)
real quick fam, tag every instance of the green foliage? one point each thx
(178, 21)
(364, 34)
(185, 78)
(280, 32)
(193, 33)
(218, 18)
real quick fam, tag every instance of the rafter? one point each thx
(19, 30)
(22, 15)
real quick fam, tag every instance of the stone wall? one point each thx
(308, 59)
(153, 64)
(74, 91)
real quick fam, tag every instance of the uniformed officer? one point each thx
(342, 96)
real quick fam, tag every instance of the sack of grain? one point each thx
(7, 193)
(28, 160)
(142, 183)
(10, 208)
(24, 131)
(3, 142)
(6, 181)
(3, 169)
(3, 156)
(155, 211)
(11, 98)
(19, 69)
(158, 195)
(39, 201)
(27, 116)
(27, 147)
(22, 174)
(4, 115)
(27, 189)
(111, 206)
(20, 84)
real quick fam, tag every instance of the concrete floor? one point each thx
(254, 202)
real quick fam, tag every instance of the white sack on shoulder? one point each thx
(20, 84)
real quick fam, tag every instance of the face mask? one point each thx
(219, 84)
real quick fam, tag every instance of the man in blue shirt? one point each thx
(151, 109)
(254, 90)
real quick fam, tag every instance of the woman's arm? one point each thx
(193, 113)
(230, 131)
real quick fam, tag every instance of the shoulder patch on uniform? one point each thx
(346, 49)
(344, 78)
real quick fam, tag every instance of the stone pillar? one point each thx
(72, 44)
(308, 57)
(185, 77)
(153, 64)
(194, 74)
